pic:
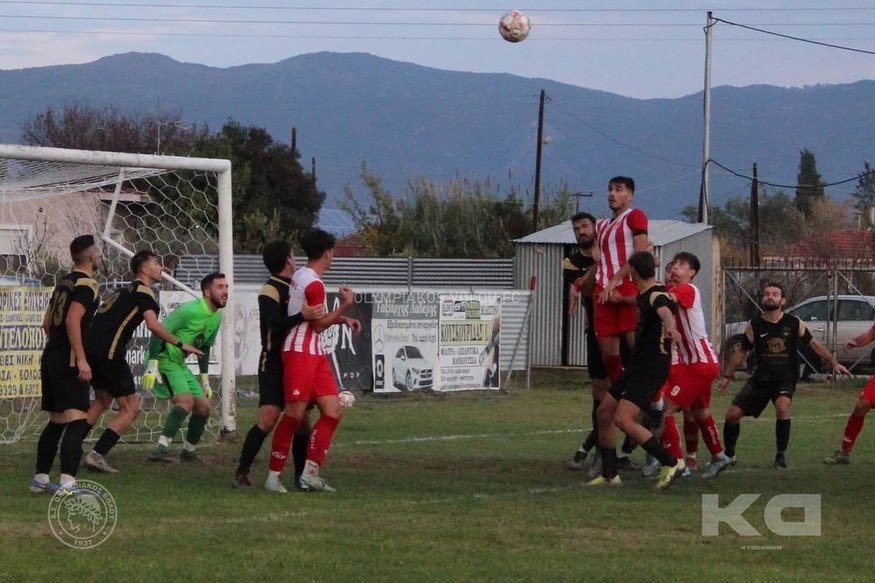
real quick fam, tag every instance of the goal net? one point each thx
(178, 207)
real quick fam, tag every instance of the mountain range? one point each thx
(407, 121)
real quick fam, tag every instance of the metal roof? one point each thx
(661, 233)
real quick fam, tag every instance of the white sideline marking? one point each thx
(436, 438)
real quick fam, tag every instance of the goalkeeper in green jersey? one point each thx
(195, 323)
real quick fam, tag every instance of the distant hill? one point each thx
(407, 121)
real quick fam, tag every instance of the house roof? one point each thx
(661, 232)
(843, 244)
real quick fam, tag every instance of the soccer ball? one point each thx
(514, 26)
(346, 398)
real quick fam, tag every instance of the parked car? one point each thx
(410, 370)
(855, 315)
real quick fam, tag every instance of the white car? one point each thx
(852, 315)
(410, 370)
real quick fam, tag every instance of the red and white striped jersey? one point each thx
(694, 347)
(306, 288)
(614, 238)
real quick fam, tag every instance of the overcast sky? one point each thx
(638, 48)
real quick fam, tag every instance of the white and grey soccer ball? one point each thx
(346, 398)
(514, 26)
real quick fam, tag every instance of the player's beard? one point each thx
(586, 244)
(769, 307)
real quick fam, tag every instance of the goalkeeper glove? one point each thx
(151, 375)
(205, 385)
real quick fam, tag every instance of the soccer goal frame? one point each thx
(126, 164)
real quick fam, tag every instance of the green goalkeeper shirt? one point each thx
(193, 323)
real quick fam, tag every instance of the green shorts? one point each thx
(174, 380)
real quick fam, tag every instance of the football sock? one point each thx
(671, 439)
(282, 441)
(107, 441)
(174, 421)
(709, 434)
(627, 448)
(782, 434)
(47, 446)
(852, 430)
(251, 446)
(300, 445)
(320, 438)
(691, 435)
(592, 439)
(196, 426)
(613, 365)
(730, 437)
(654, 448)
(609, 462)
(71, 446)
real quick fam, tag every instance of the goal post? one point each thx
(179, 207)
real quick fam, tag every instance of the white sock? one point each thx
(188, 446)
(41, 478)
(311, 468)
(273, 474)
(67, 479)
(164, 440)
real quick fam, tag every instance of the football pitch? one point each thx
(461, 487)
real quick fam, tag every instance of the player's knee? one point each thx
(267, 418)
(862, 407)
(734, 415)
(201, 408)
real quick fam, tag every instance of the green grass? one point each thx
(460, 487)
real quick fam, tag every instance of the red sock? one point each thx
(711, 435)
(282, 441)
(613, 366)
(320, 438)
(852, 430)
(671, 439)
(691, 435)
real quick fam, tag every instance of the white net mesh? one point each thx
(43, 206)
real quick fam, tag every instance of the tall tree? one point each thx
(809, 186)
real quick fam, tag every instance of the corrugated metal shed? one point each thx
(557, 339)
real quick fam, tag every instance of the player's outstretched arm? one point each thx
(828, 356)
(668, 323)
(347, 299)
(158, 330)
(861, 340)
(728, 367)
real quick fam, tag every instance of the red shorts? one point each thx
(868, 391)
(307, 377)
(690, 384)
(614, 319)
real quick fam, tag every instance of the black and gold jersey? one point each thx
(76, 286)
(651, 343)
(776, 347)
(274, 320)
(117, 318)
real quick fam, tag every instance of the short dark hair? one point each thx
(78, 247)
(689, 259)
(777, 285)
(316, 242)
(139, 258)
(583, 216)
(643, 263)
(207, 281)
(624, 180)
(275, 255)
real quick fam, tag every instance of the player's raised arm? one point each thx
(158, 330)
(347, 299)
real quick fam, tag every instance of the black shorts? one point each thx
(61, 389)
(754, 396)
(594, 364)
(270, 381)
(112, 375)
(638, 384)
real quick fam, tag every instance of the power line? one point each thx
(778, 185)
(796, 38)
(619, 142)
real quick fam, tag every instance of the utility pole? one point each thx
(313, 168)
(578, 196)
(704, 195)
(537, 202)
(294, 141)
(755, 219)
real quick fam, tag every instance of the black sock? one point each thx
(47, 446)
(251, 446)
(107, 441)
(300, 444)
(609, 462)
(730, 437)
(782, 434)
(71, 446)
(627, 447)
(591, 441)
(654, 448)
